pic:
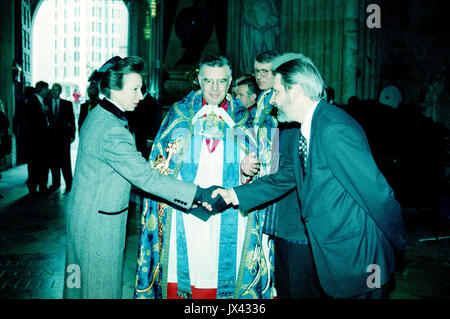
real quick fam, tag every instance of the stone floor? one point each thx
(32, 246)
(32, 243)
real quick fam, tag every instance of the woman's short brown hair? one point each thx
(113, 77)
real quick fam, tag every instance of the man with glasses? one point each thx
(265, 128)
(205, 140)
(264, 121)
(264, 77)
(62, 125)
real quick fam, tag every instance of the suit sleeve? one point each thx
(350, 159)
(267, 188)
(120, 152)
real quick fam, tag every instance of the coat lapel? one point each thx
(297, 166)
(311, 149)
(110, 107)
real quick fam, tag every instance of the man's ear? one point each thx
(295, 90)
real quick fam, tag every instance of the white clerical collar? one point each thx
(116, 105)
(306, 125)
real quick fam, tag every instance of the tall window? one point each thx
(76, 35)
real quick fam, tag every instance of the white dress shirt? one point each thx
(306, 125)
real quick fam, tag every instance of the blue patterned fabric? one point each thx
(254, 278)
(267, 136)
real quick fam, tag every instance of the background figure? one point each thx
(144, 122)
(265, 125)
(20, 127)
(260, 30)
(76, 101)
(247, 91)
(38, 139)
(236, 82)
(62, 125)
(5, 138)
(86, 107)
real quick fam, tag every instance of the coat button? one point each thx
(306, 220)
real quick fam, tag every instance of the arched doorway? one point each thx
(71, 38)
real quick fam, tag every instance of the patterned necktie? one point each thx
(302, 147)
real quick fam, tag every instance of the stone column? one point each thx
(350, 49)
(234, 35)
(7, 54)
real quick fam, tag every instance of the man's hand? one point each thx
(227, 195)
(203, 197)
(250, 165)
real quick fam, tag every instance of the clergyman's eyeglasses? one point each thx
(210, 82)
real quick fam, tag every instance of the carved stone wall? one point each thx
(409, 50)
(335, 36)
(331, 32)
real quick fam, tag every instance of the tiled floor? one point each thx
(32, 246)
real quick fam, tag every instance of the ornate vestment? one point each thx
(265, 126)
(243, 271)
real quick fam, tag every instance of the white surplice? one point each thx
(202, 238)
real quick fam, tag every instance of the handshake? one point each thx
(214, 199)
(210, 200)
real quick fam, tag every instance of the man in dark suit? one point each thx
(37, 125)
(352, 219)
(87, 106)
(62, 126)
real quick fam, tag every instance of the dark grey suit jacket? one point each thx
(351, 216)
(63, 123)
